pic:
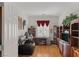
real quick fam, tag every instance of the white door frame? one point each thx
(2, 5)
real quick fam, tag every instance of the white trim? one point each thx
(2, 29)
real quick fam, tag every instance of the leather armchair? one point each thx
(27, 48)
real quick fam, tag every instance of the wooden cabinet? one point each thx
(65, 48)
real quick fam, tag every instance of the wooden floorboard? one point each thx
(46, 51)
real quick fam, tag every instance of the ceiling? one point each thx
(46, 8)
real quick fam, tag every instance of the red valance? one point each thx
(38, 22)
(43, 22)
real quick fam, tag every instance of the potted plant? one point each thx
(68, 19)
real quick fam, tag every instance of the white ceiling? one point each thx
(48, 8)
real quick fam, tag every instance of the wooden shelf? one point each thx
(75, 37)
(74, 30)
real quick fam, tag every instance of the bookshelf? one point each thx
(75, 33)
(74, 38)
(55, 34)
(58, 32)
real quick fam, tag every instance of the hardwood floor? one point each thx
(46, 51)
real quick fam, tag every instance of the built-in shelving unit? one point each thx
(58, 32)
(75, 38)
(66, 28)
(55, 34)
(61, 30)
(64, 46)
(75, 33)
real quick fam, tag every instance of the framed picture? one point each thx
(20, 23)
(24, 23)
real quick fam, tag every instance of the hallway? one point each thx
(46, 51)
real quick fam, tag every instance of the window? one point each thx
(42, 28)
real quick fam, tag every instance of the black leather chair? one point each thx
(27, 48)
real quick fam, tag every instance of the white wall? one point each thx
(24, 17)
(22, 32)
(10, 30)
(32, 19)
(53, 21)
